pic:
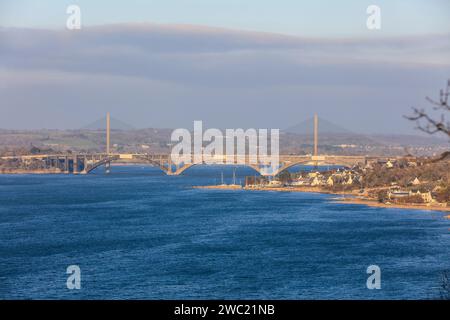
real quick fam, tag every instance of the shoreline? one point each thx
(374, 203)
(278, 189)
(26, 171)
(353, 199)
(221, 187)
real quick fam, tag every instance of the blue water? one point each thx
(138, 234)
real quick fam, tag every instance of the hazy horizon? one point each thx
(286, 130)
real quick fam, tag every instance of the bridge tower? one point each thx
(316, 134)
(316, 140)
(108, 140)
(108, 123)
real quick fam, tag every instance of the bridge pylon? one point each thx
(108, 140)
(316, 138)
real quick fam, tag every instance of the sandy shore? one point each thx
(351, 200)
(374, 203)
(221, 187)
(300, 189)
(278, 189)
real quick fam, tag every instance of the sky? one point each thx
(294, 17)
(260, 64)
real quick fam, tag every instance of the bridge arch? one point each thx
(185, 167)
(95, 165)
(164, 166)
(285, 167)
(106, 160)
(167, 167)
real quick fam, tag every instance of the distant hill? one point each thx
(334, 134)
(125, 139)
(408, 139)
(116, 124)
(325, 126)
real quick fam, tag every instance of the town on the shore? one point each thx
(408, 181)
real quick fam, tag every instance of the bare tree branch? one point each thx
(425, 122)
(443, 156)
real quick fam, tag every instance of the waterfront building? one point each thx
(330, 181)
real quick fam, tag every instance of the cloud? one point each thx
(208, 69)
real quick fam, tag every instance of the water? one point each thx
(138, 234)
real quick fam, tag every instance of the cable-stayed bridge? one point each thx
(84, 163)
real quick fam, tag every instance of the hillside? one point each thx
(158, 141)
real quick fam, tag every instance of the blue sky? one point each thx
(306, 18)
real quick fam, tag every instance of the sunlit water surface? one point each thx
(138, 234)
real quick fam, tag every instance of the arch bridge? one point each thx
(86, 163)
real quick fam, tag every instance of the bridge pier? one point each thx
(82, 166)
(75, 164)
(84, 171)
(169, 167)
(66, 164)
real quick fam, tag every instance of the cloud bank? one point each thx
(169, 75)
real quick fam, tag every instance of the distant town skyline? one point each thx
(166, 64)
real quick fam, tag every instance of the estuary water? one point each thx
(139, 234)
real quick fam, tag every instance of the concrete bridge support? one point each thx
(66, 164)
(75, 164)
